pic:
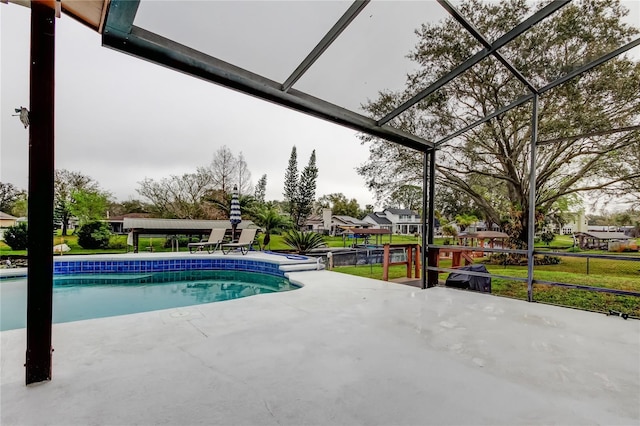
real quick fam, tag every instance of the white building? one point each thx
(333, 224)
(575, 222)
(399, 221)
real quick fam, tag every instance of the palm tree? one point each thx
(270, 220)
(303, 242)
(464, 220)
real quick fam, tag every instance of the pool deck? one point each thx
(342, 350)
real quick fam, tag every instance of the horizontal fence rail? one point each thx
(614, 277)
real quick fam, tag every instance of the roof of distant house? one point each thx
(314, 219)
(179, 226)
(402, 211)
(380, 220)
(350, 220)
(4, 215)
(129, 215)
(369, 231)
(604, 235)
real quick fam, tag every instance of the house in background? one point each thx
(116, 223)
(400, 221)
(481, 226)
(630, 231)
(378, 220)
(575, 222)
(340, 223)
(319, 222)
(6, 220)
(333, 224)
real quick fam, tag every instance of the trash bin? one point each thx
(471, 282)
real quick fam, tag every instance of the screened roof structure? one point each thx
(326, 59)
(321, 58)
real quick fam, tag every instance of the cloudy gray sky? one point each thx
(120, 119)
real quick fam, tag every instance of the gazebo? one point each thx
(477, 239)
(599, 240)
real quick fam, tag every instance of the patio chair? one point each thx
(212, 244)
(245, 243)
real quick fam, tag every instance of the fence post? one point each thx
(385, 263)
(433, 257)
(409, 252)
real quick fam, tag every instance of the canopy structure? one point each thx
(326, 59)
(164, 227)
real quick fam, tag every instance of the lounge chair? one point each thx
(245, 243)
(212, 244)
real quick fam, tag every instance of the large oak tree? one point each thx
(490, 164)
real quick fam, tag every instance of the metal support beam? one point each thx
(601, 60)
(423, 218)
(165, 52)
(476, 34)
(506, 38)
(531, 221)
(121, 15)
(41, 172)
(432, 202)
(326, 41)
(550, 86)
(519, 101)
(589, 134)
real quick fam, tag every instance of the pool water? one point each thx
(79, 297)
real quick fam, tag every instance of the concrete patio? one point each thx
(342, 350)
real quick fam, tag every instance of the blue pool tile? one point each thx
(166, 265)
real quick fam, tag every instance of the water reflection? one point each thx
(78, 297)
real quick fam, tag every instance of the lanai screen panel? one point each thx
(269, 38)
(530, 55)
(348, 53)
(370, 56)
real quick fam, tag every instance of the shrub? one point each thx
(94, 235)
(449, 231)
(302, 242)
(16, 236)
(547, 237)
(117, 244)
(521, 260)
(546, 260)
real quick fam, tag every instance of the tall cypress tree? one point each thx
(307, 190)
(291, 184)
(261, 189)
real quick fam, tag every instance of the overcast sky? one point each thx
(120, 119)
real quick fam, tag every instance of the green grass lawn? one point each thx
(621, 275)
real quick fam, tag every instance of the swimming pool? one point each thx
(96, 295)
